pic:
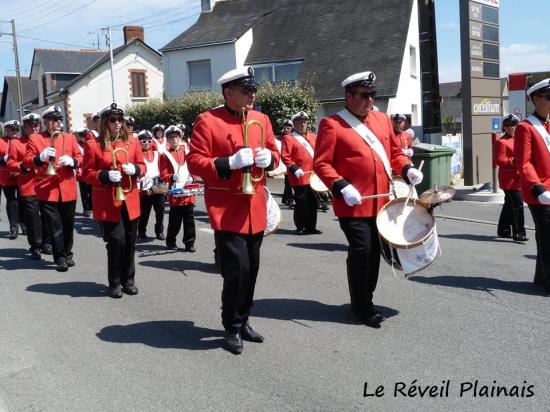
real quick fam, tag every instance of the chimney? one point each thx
(133, 32)
(207, 5)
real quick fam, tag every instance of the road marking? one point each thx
(206, 230)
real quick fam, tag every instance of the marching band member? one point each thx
(173, 170)
(511, 221)
(405, 138)
(288, 195)
(36, 230)
(82, 136)
(532, 158)
(148, 198)
(56, 193)
(130, 122)
(297, 155)
(355, 153)
(8, 178)
(158, 137)
(117, 217)
(218, 154)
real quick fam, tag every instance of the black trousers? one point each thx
(35, 222)
(288, 197)
(363, 262)
(12, 207)
(121, 249)
(156, 202)
(59, 220)
(239, 259)
(511, 221)
(541, 216)
(177, 216)
(86, 196)
(305, 208)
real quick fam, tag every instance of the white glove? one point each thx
(5, 158)
(544, 198)
(129, 169)
(351, 195)
(408, 152)
(115, 176)
(263, 157)
(47, 153)
(242, 158)
(415, 176)
(66, 161)
(299, 173)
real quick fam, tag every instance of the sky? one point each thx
(78, 24)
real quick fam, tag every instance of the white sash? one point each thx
(542, 131)
(180, 170)
(368, 136)
(301, 139)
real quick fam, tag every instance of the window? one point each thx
(412, 54)
(138, 83)
(200, 74)
(277, 72)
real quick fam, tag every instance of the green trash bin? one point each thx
(437, 165)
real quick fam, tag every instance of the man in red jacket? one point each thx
(9, 177)
(355, 155)
(56, 193)
(532, 151)
(219, 154)
(297, 155)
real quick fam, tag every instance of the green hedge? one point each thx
(279, 101)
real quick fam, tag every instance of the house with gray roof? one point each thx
(313, 42)
(9, 103)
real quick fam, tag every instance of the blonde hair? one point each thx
(105, 135)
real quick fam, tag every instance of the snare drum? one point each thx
(402, 188)
(190, 189)
(322, 194)
(408, 235)
(273, 213)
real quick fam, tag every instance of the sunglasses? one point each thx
(546, 96)
(247, 90)
(145, 141)
(115, 119)
(511, 124)
(364, 95)
(55, 119)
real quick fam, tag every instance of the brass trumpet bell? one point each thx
(50, 170)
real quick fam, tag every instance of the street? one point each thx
(470, 319)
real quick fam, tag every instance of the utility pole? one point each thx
(112, 61)
(17, 71)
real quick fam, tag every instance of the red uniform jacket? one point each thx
(216, 135)
(508, 176)
(405, 139)
(295, 156)
(25, 176)
(61, 187)
(7, 177)
(97, 163)
(532, 161)
(167, 172)
(79, 176)
(341, 153)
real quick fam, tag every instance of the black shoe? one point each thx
(87, 213)
(70, 262)
(233, 342)
(142, 236)
(115, 292)
(35, 254)
(190, 248)
(47, 249)
(313, 231)
(13, 234)
(300, 231)
(370, 317)
(24, 230)
(521, 238)
(505, 235)
(250, 334)
(62, 265)
(130, 289)
(160, 236)
(171, 246)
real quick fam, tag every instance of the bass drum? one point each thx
(408, 235)
(401, 188)
(322, 194)
(273, 213)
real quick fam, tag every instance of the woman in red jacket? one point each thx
(511, 222)
(118, 219)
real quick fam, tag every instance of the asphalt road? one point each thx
(473, 315)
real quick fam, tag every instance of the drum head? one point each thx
(273, 213)
(317, 184)
(402, 188)
(405, 227)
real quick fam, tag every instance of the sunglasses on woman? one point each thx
(115, 119)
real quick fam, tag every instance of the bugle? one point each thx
(119, 191)
(247, 186)
(50, 170)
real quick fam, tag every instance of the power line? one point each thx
(64, 15)
(149, 16)
(39, 11)
(48, 41)
(172, 21)
(33, 9)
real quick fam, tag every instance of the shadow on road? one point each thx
(86, 226)
(481, 283)
(299, 309)
(181, 265)
(530, 256)
(20, 260)
(329, 247)
(72, 289)
(164, 334)
(479, 238)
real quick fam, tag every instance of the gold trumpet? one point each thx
(247, 186)
(119, 191)
(50, 170)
